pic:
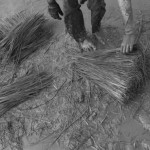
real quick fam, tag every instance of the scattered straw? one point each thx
(23, 35)
(24, 89)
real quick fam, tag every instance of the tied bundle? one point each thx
(24, 89)
(122, 76)
(22, 35)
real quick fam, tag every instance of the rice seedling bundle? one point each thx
(122, 76)
(23, 35)
(24, 89)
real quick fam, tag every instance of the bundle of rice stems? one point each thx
(122, 76)
(23, 35)
(7, 24)
(24, 89)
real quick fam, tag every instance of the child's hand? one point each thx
(128, 43)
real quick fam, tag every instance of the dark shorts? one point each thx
(74, 21)
(93, 5)
(97, 8)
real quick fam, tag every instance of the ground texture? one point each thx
(76, 114)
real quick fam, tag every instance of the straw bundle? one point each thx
(24, 89)
(122, 76)
(23, 35)
(8, 24)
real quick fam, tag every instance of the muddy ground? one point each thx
(131, 129)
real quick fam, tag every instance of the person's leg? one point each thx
(98, 10)
(70, 6)
(73, 19)
(74, 23)
(129, 37)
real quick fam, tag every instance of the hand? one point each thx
(55, 11)
(128, 43)
(82, 1)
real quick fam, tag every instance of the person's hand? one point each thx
(128, 43)
(82, 1)
(55, 11)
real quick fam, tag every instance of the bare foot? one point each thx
(128, 43)
(87, 46)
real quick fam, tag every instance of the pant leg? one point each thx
(98, 10)
(73, 19)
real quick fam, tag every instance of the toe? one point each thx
(131, 48)
(123, 49)
(127, 50)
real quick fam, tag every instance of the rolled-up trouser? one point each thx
(74, 18)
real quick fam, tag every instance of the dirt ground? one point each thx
(131, 128)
